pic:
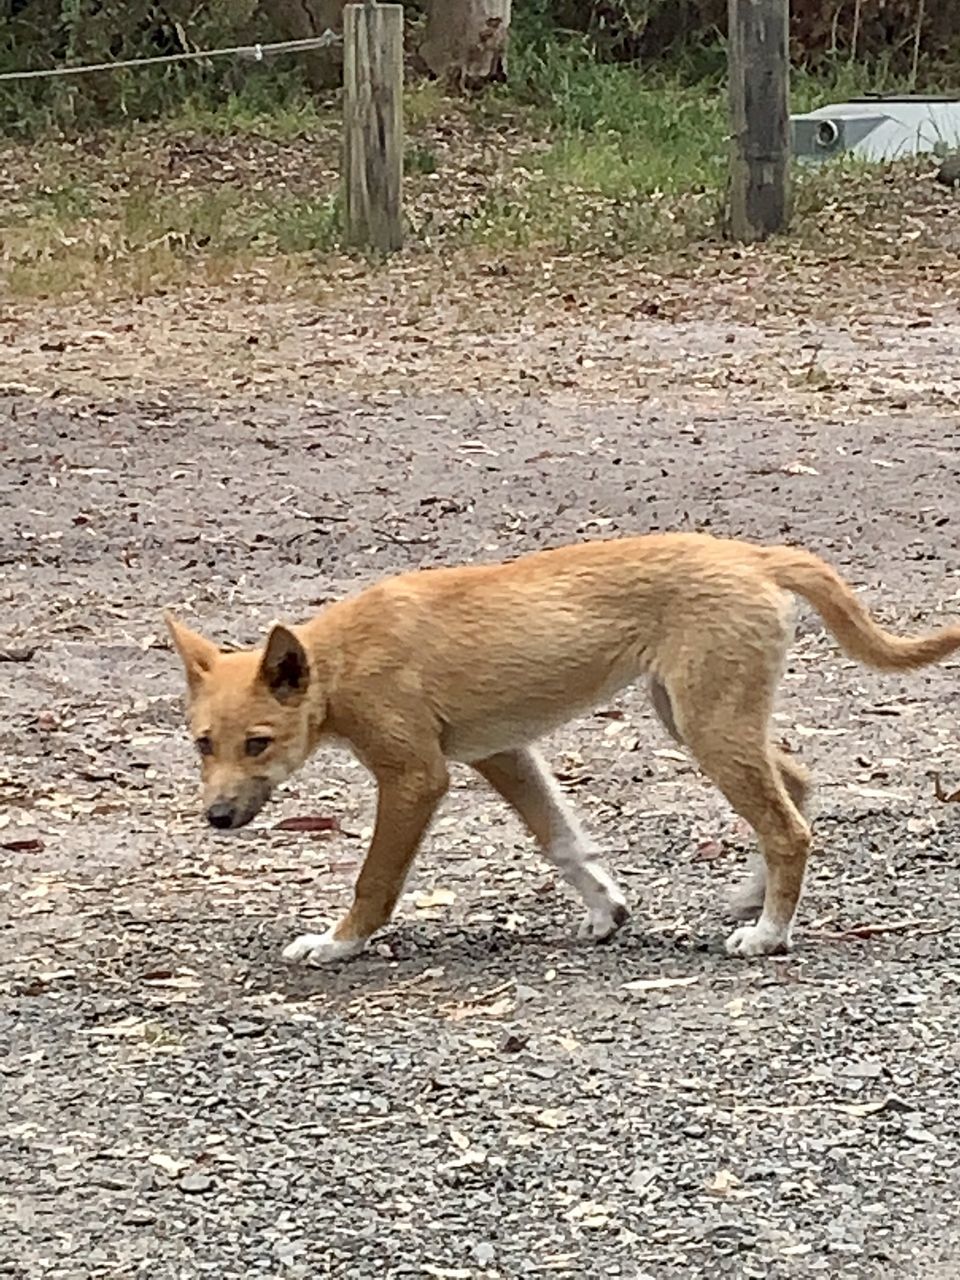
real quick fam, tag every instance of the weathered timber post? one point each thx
(758, 62)
(373, 125)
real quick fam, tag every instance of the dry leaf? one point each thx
(183, 981)
(709, 851)
(31, 844)
(436, 898)
(591, 1214)
(130, 1026)
(808, 731)
(24, 654)
(868, 929)
(552, 1118)
(54, 975)
(873, 793)
(723, 1182)
(859, 1109)
(308, 822)
(500, 1008)
(659, 984)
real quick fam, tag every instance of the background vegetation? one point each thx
(608, 137)
(887, 39)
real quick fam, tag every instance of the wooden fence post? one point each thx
(758, 61)
(373, 125)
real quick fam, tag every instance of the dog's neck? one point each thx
(322, 639)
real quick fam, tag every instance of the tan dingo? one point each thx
(474, 664)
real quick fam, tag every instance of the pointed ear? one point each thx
(197, 653)
(284, 667)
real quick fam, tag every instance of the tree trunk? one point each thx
(465, 43)
(302, 19)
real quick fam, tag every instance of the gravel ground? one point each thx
(480, 1096)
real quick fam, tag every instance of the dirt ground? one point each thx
(481, 1096)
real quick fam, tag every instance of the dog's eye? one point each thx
(205, 745)
(257, 746)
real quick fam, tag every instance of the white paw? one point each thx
(760, 939)
(321, 948)
(604, 919)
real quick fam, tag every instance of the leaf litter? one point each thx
(419, 414)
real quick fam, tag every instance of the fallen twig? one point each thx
(952, 798)
(457, 1009)
(401, 987)
(867, 930)
(18, 655)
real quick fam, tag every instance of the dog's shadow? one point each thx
(454, 962)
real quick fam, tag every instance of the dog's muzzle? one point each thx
(229, 814)
(223, 815)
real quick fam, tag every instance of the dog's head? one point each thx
(248, 713)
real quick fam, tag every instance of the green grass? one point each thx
(239, 116)
(71, 239)
(653, 130)
(637, 159)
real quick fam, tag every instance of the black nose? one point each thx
(221, 814)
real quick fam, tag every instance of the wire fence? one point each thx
(251, 52)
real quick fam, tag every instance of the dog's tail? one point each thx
(848, 619)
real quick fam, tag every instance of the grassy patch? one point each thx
(70, 239)
(293, 117)
(633, 162)
(637, 161)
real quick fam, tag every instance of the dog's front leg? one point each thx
(405, 804)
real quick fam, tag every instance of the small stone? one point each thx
(896, 1103)
(141, 1217)
(195, 1184)
(642, 1177)
(512, 1043)
(111, 1181)
(848, 1247)
(868, 1069)
(916, 1134)
(243, 1028)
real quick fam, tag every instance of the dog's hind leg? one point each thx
(522, 778)
(747, 775)
(721, 702)
(746, 901)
